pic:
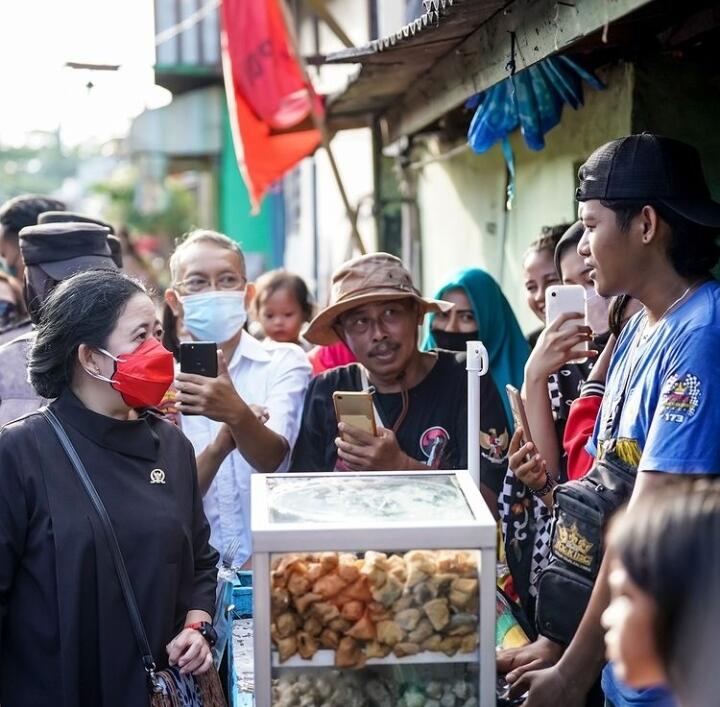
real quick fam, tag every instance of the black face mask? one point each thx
(454, 340)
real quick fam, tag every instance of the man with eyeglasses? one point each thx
(209, 298)
(420, 397)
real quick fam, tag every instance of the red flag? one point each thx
(269, 98)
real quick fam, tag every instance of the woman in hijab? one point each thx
(481, 313)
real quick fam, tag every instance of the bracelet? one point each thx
(546, 488)
(206, 630)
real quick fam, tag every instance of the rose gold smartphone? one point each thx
(355, 408)
(518, 411)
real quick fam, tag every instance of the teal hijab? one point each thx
(498, 329)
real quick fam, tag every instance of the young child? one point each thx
(282, 305)
(664, 582)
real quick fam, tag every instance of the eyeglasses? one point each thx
(226, 283)
(391, 316)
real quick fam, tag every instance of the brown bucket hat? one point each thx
(377, 277)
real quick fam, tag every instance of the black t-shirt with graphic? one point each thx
(437, 408)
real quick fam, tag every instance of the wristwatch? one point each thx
(546, 488)
(206, 630)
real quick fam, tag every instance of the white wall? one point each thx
(353, 154)
(462, 199)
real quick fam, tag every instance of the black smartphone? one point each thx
(199, 357)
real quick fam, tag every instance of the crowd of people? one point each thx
(619, 402)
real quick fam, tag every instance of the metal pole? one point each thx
(477, 366)
(321, 126)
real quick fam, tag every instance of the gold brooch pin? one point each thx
(157, 476)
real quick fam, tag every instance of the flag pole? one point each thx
(321, 126)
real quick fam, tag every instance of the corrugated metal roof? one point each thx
(390, 65)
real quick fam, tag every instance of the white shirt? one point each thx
(269, 374)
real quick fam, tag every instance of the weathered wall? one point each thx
(462, 199)
(675, 98)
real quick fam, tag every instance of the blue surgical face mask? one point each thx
(214, 316)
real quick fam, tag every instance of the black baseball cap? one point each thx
(65, 248)
(649, 168)
(72, 216)
(115, 250)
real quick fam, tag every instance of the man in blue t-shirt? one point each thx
(650, 233)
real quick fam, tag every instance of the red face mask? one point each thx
(143, 376)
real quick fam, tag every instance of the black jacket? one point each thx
(65, 637)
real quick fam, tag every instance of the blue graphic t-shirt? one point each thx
(670, 420)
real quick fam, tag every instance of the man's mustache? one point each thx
(383, 347)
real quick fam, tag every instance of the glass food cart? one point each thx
(373, 589)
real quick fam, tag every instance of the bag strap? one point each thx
(120, 569)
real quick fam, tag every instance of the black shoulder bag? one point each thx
(582, 510)
(167, 688)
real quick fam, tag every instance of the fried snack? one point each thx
(405, 648)
(424, 592)
(387, 593)
(377, 612)
(406, 601)
(298, 583)
(408, 619)
(463, 592)
(315, 571)
(328, 585)
(423, 631)
(325, 612)
(284, 564)
(462, 624)
(441, 583)
(458, 562)
(287, 647)
(396, 568)
(433, 643)
(329, 561)
(286, 624)
(438, 613)
(307, 645)
(450, 645)
(329, 639)
(375, 649)
(279, 600)
(363, 630)
(313, 626)
(374, 568)
(347, 570)
(459, 600)
(348, 654)
(413, 576)
(359, 590)
(469, 643)
(389, 633)
(340, 625)
(425, 558)
(352, 610)
(305, 600)
(466, 586)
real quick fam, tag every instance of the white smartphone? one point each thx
(562, 299)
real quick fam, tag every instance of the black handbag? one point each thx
(166, 688)
(582, 509)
